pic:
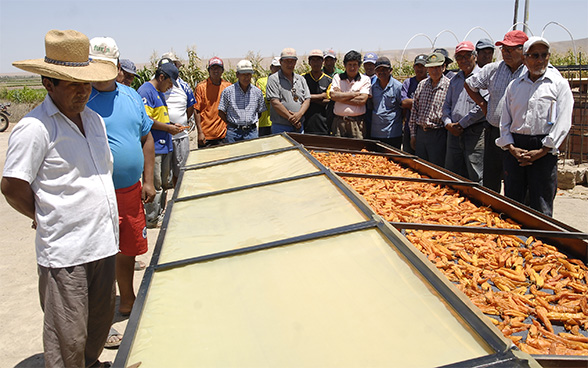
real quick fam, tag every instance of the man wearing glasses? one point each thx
(494, 78)
(288, 95)
(536, 118)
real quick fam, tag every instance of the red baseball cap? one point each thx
(215, 61)
(464, 46)
(513, 38)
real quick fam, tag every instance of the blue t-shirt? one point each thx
(126, 122)
(387, 113)
(156, 108)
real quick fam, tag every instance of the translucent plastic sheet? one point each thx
(255, 216)
(344, 301)
(240, 149)
(245, 172)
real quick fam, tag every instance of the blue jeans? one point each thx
(465, 154)
(279, 128)
(239, 134)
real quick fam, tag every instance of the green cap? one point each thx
(435, 59)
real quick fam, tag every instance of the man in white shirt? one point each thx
(350, 90)
(180, 106)
(535, 121)
(58, 172)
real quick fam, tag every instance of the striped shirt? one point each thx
(242, 108)
(494, 77)
(427, 108)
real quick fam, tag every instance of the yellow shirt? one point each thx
(264, 120)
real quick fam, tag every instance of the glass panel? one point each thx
(233, 150)
(345, 301)
(245, 172)
(255, 216)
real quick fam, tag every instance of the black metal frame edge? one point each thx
(403, 178)
(274, 244)
(238, 158)
(490, 230)
(505, 359)
(249, 186)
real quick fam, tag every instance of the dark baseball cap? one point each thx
(383, 61)
(171, 71)
(448, 60)
(484, 43)
(420, 59)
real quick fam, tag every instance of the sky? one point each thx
(229, 29)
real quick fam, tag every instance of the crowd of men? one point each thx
(92, 164)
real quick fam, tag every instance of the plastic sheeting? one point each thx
(344, 301)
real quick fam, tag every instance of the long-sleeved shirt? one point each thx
(459, 106)
(494, 77)
(427, 108)
(543, 107)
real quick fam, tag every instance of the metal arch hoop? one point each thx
(412, 38)
(569, 33)
(480, 28)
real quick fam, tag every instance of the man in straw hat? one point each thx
(58, 172)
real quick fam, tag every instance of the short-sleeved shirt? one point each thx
(154, 102)
(126, 123)
(178, 99)
(207, 100)
(335, 71)
(427, 108)
(387, 112)
(316, 116)
(459, 106)
(242, 108)
(264, 120)
(361, 83)
(494, 78)
(291, 95)
(543, 107)
(71, 178)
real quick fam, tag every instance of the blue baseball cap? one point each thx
(171, 71)
(128, 66)
(370, 57)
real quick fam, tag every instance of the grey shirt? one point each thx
(291, 96)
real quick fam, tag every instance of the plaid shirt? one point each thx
(494, 77)
(427, 108)
(242, 108)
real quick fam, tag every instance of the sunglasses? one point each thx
(536, 55)
(509, 49)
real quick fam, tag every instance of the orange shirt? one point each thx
(207, 100)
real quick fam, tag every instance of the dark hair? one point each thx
(54, 81)
(352, 56)
(159, 72)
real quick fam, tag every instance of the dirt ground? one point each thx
(21, 318)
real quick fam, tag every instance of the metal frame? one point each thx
(460, 304)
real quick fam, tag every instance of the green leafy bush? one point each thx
(23, 95)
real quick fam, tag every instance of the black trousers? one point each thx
(539, 179)
(493, 159)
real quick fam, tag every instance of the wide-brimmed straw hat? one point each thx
(66, 58)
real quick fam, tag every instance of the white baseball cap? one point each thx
(104, 48)
(244, 67)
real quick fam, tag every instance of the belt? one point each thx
(243, 126)
(351, 118)
(430, 128)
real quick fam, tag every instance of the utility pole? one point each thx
(526, 29)
(516, 11)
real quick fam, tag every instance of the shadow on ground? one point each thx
(34, 361)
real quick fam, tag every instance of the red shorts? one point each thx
(131, 221)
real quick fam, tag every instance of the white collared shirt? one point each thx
(363, 84)
(71, 177)
(543, 107)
